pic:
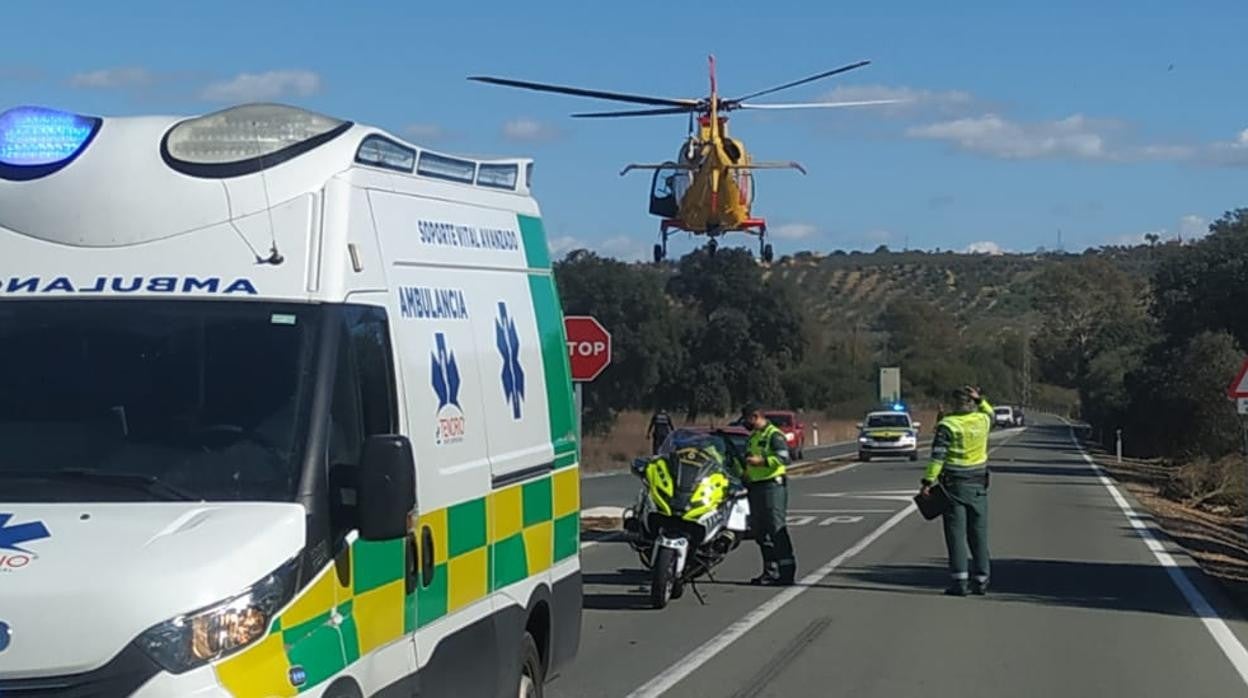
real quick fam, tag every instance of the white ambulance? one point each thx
(284, 409)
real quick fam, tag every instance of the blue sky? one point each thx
(1103, 120)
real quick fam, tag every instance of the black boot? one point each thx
(957, 588)
(979, 588)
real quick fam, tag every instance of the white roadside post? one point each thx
(814, 434)
(1118, 447)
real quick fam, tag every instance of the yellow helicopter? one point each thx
(709, 188)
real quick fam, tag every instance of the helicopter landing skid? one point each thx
(751, 226)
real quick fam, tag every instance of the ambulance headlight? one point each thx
(206, 635)
(246, 139)
(35, 141)
(863, 439)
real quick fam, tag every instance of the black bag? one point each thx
(935, 504)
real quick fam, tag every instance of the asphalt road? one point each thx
(1080, 605)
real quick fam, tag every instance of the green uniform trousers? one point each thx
(769, 508)
(966, 525)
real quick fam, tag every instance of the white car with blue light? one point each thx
(888, 433)
(285, 409)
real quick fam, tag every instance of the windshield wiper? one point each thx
(148, 483)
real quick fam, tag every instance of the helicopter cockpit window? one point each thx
(666, 190)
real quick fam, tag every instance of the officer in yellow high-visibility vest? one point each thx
(960, 463)
(767, 458)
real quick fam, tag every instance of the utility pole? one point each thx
(1026, 365)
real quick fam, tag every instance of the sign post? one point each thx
(589, 353)
(1238, 391)
(890, 385)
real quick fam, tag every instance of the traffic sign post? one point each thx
(589, 354)
(1238, 391)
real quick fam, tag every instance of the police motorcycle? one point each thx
(691, 511)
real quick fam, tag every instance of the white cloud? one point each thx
(1075, 136)
(794, 231)
(426, 132)
(256, 87)
(985, 247)
(627, 248)
(1231, 153)
(529, 131)
(1193, 226)
(560, 246)
(113, 79)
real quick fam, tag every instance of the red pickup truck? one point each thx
(794, 430)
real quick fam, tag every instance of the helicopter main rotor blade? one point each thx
(658, 166)
(580, 92)
(803, 81)
(821, 105)
(770, 166)
(636, 112)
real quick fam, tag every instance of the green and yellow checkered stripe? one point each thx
(485, 544)
(479, 546)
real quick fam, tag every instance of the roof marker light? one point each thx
(36, 141)
(245, 139)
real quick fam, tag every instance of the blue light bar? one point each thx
(35, 137)
(899, 407)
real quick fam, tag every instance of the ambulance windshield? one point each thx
(152, 400)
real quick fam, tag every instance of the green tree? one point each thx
(1205, 286)
(647, 346)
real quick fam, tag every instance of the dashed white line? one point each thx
(1222, 635)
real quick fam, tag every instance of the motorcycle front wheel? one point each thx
(663, 577)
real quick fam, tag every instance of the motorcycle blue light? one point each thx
(35, 136)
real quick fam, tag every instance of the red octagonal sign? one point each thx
(589, 347)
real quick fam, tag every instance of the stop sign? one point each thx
(589, 347)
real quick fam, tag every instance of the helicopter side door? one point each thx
(667, 189)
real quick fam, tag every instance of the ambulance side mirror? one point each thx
(386, 494)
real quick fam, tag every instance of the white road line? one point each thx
(687, 665)
(834, 471)
(1229, 644)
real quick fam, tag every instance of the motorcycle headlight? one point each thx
(192, 640)
(790, 435)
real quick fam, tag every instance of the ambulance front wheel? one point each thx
(530, 684)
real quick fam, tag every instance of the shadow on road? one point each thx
(1031, 467)
(601, 536)
(1109, 586)
(637, 598)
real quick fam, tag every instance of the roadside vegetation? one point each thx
(1142, 339)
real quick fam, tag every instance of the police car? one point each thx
(888, 433)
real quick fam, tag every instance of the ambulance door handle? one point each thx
(411, 564)
(427, 568)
